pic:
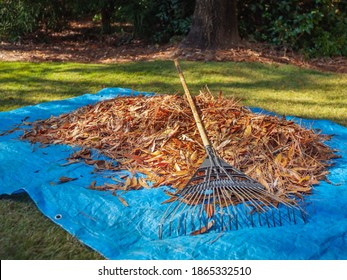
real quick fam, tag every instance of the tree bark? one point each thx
(107, 10)
(214, 25)
(105, 21)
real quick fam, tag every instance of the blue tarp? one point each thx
(102, 222)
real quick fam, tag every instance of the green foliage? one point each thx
(316, 27)
(172, 17)
(52, 14)
(16, 19)
(158, 20)
(21, 17)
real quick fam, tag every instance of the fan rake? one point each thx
(220, 197)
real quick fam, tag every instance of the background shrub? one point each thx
(314, 27)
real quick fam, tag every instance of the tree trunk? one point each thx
(106, 21)
(107, 11)
(214, 25)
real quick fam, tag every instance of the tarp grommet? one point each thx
(58, 216)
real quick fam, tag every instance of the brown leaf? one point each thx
(116, 180)
(248, 131)
(171, 199)
(134, 181)
(113, 186)
(127, 183)
(203, 229)
(121, 199)
(70, 161)
(136, 158)
(209, 209)
(158, 137)
(177, 167)
(143, 183)
(64, 179)
(194, 156)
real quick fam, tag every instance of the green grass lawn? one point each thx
(27, 234)
(283, 89)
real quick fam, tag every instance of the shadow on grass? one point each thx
(30, 83)
(27, 234)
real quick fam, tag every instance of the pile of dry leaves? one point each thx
(157, 136)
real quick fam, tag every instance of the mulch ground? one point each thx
(81, 42)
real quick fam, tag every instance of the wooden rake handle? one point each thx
(197, 119)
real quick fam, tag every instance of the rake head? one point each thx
(219, 197)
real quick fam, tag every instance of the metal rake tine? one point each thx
(252, 222)
(245, 195)
(267, 220)
(303, 216)
(174, 210)
(291, 215)
(259, 219)
(178, 225)
(273, 217)
(235, 208)
(164, 217)
(294, 216)
(214, 207)
(276, 198)
(206, 209)
(192, 223)
(276, 219)
(237, 221)
(226, 198)
(279, 200)
(195, 207)
(288, 212)
(282, 217)
(244, 204)
(160, 231)
(201, 211)
(221, 214)
(256, 193)
(224, 187)
(241, 190)
(167, 213)
(260, 189)
(253, 195)
(196, 194)
(226, 206)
